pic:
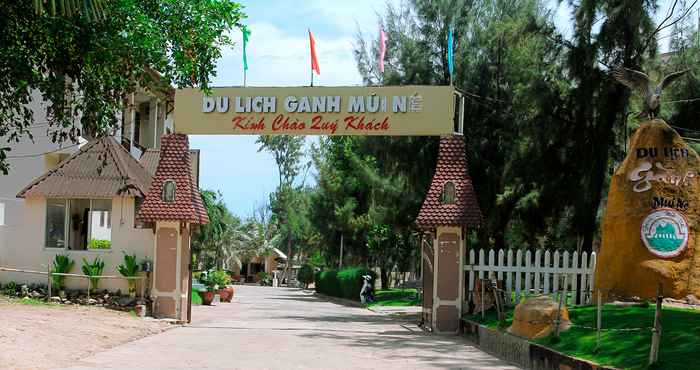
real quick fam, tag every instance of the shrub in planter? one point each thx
(129, 269)
(207, 295)
(62, 264)
(93, 269)
(222, 281)
(306, 275)
(343, 283)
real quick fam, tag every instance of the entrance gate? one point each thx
(173, 202)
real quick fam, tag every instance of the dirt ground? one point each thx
(50, 336)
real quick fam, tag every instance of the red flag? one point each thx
(314, 59)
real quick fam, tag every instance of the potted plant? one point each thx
(223, 282)
(264, 278)
(62, 264)
(129, 269)
(207, 294)
(93, 270)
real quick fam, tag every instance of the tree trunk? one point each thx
(288, 265)
(384, 276)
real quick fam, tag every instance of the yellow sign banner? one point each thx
(390, 110)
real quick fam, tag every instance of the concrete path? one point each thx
(280, 328)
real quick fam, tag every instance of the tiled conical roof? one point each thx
(174, 164)
(451, 167)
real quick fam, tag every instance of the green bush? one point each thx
(220, 278)
(343, 283)
(99, 244)
(11, 289)
(93, 269)
(306, 274)
(130, 268)
(62, 264)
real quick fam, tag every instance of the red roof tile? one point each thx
(174, 164)
(451, 167)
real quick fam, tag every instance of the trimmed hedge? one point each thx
(343, 283)
(306, 274)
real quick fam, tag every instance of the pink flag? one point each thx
(382, 49)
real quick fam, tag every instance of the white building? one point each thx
(81, 200)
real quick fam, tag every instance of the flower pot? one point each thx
(226, 293)
(207, 297)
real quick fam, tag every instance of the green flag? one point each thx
(246, 34)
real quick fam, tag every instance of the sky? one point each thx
(278, 55)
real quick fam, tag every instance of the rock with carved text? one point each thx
(651, 219)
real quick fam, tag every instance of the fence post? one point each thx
(48, 281)
(143, 287)
(656, 336)
(483, 315)
(600, 321)
(561, 297)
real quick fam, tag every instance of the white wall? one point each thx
(27, 250)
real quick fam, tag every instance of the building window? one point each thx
(448, 193)
(168, 195)
(79, 224)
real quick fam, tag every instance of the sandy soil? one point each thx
(42, 336)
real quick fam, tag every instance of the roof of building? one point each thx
(451, 167)
(174, 165)
(101, 168)
(149, 160)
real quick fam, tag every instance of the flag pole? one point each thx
(245, 77)
(311, 65)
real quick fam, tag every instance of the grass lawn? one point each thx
(680, 339)
(396, 297)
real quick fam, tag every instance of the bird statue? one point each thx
(651, 94)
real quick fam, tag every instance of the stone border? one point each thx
(522, 352)
(338, 300)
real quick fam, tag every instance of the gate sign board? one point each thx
(390, 110)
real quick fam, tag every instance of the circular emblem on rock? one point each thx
(665, 232)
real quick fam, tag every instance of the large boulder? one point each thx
(651, 219)
(536, 318)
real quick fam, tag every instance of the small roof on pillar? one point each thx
(101, 168)
(451, 167)
(174, 165)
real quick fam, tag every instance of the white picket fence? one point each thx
(524, 275)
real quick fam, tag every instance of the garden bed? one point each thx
(620, 346)
(396, 297)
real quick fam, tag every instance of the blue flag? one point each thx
(450, 47)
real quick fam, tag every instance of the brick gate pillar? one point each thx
(448, 211)
(173, 204)
(171, 270)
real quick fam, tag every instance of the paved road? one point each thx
(279, 328)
